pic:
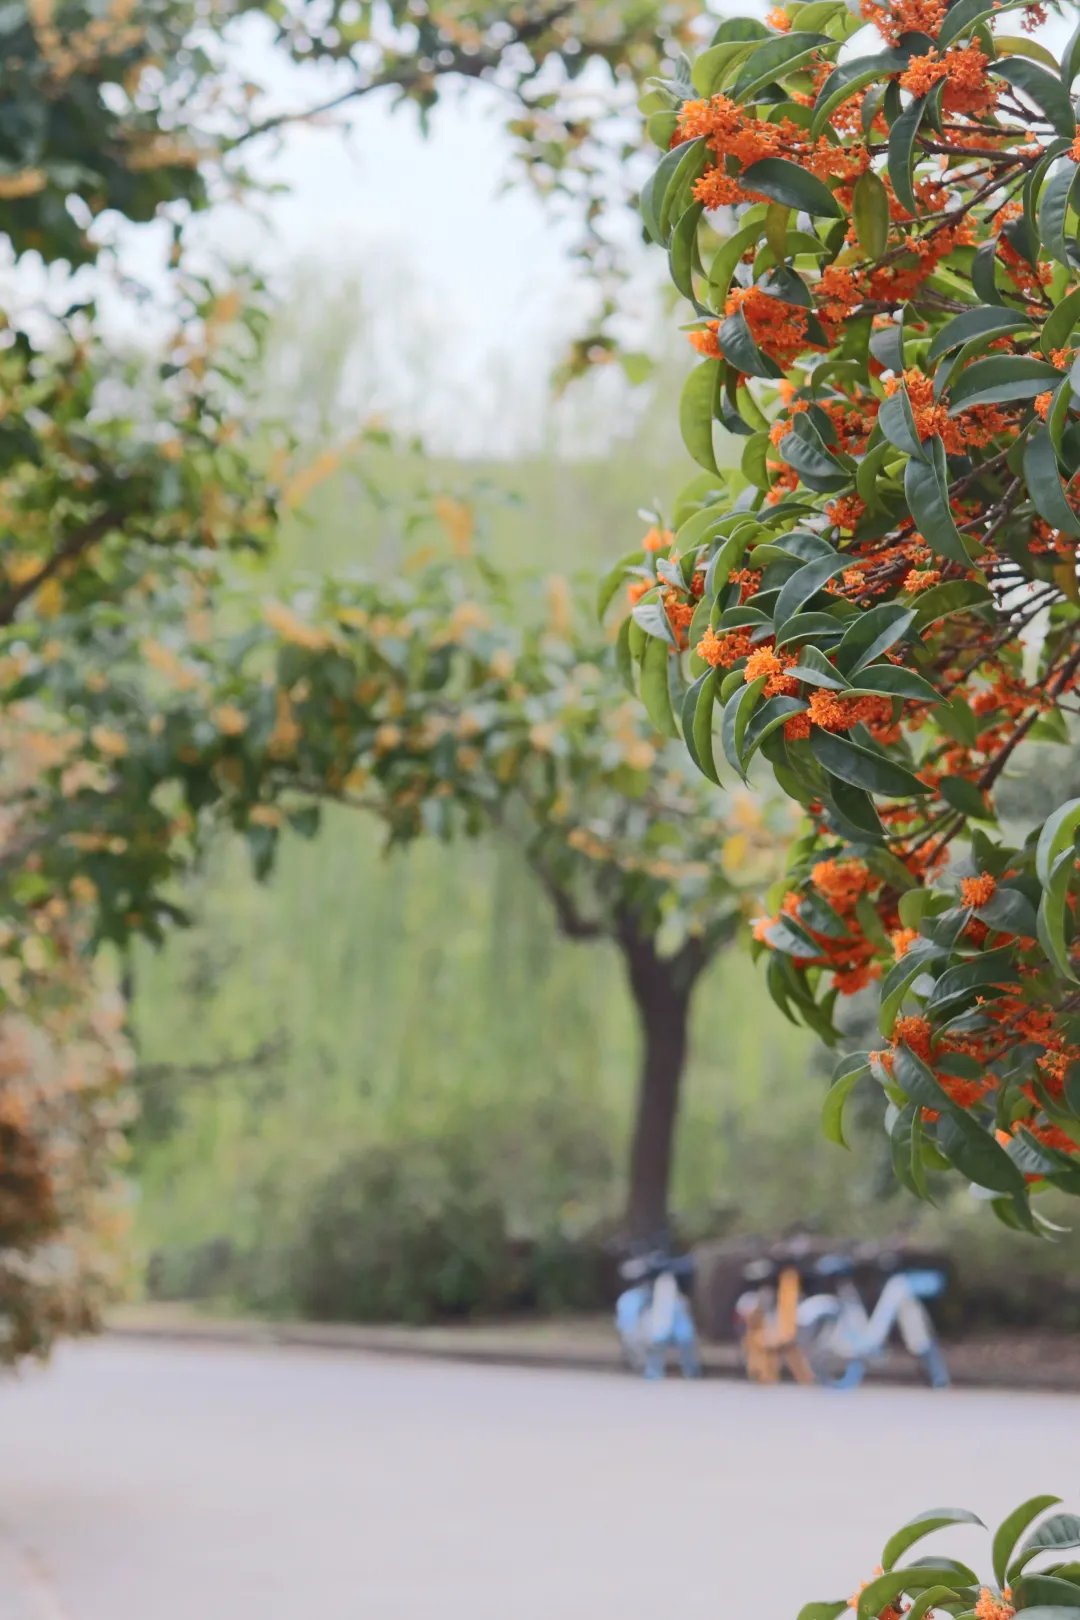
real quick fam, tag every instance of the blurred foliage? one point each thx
(64, 1104)
(126, 477)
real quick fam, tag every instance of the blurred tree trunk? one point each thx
(662, 988)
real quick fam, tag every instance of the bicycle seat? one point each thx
(760, 1271)
(835, 1265)
(647, 1267)
(925, 1284)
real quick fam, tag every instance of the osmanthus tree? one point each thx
(873, 216)
(884, 601)
(440, 702)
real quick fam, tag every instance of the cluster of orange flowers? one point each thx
(778, 328)
(900, 17)
(849, 957)
(765, 661)
(724, 651)
(1010, 1020)
(992, 1607)
(963, 70)
(971, 429)
(734, 132)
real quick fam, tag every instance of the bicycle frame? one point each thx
(856, 1336)
(899, 1305)
(653, 1318)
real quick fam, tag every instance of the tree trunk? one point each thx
(662, 990)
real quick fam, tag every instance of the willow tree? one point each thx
(873, 216)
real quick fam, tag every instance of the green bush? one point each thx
(415, 1232)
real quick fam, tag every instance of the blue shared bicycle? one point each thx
(653, 1316)
(839, 1336)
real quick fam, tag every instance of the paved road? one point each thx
(161, 1483)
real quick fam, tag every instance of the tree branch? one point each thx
(572, 924)
(73, 547)
(460, 64)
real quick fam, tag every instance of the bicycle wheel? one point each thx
(823, 1348)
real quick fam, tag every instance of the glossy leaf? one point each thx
(863, 768)
(924, 1524)
(786, 183)
(696, 412)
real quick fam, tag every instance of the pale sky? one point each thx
(476, 276)
(474, 290)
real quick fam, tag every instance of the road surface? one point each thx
(195, 1483)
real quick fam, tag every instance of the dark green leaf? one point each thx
(678, 196)
(767, 719)
(832, 1113)
(1044, 483)
(923, 1525)
(864, 768)
(683, 248)
(805, 583)
(1053, 208)
(726, 259)
(972, 1149)
(697, 718)
(984, 273)
(935, 1597)
(1033, 1590)
(897, 422)
(1050, 922)
(1070, 61)
(1058, 832)
(902, 153)
(889, 680)
(1010, 911)
(926, 489)
(1060, 324)
(814, 668)
(737, 343)
(1055, 1534)
(978, 322)
(1004, 380)
(696, 412)
(851, 77)
(655, 688)
(776, 57)
(737, 711)
(1012, 1528)
(954, 596)
(785, 182)
(655, 188)
(964, 796)
(1044, 89)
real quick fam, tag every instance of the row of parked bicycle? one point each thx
(805, 1316)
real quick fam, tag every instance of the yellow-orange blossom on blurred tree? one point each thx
(128, 478)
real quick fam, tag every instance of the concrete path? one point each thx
(149, 1482)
